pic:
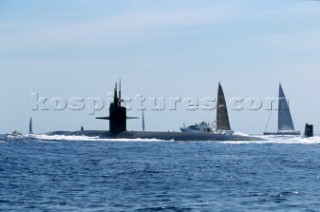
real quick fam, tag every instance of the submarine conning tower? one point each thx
(117, 113)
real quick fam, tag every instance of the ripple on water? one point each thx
(159, 176)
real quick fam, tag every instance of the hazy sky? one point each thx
(162, 48)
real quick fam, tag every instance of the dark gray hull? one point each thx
(176, 136)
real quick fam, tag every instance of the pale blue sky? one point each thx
(158, 48)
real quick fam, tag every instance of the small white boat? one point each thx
(14, 136)
(201, 127)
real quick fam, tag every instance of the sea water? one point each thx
(88, 174)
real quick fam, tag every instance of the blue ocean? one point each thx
(82, 174)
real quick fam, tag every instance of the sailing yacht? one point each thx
(222, 119)
(285, 123)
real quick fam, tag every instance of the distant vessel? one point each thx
(118, 129)
(308, 131)
(285, 123)
(222, 119)
(17, 135)
(143, 124)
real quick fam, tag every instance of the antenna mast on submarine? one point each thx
(119, 88)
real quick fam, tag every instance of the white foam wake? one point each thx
(280, 140)
(240, 133)
(87, 138)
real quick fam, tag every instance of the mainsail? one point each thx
(284, 116)
(222, 112)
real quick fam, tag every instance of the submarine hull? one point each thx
(167, 136)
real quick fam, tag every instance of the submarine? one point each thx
(118, 128)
